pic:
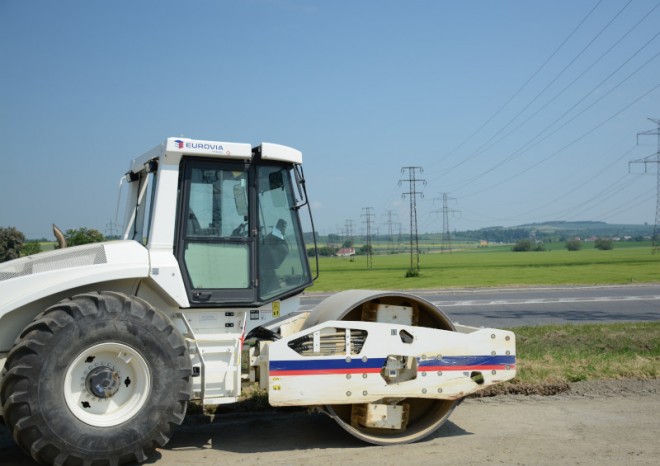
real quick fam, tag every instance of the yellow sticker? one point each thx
(276, 308)
(276, 387)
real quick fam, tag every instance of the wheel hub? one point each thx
(102, 382)
(107, 384)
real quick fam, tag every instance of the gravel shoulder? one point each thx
(604, 423)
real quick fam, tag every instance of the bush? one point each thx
(11, 243)
(522, 245)
(604, 244)
(412, 273)
(83, 236)
(324, 251)
(365, 250)
(574, 244)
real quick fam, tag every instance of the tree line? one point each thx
(13, 243)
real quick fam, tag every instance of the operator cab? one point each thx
(238, 238)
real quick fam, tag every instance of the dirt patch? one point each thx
(585, 388)
(615, 387)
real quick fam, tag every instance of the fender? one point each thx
(30, 278)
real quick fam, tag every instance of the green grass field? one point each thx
(492, 267)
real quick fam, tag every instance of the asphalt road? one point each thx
(515, 307)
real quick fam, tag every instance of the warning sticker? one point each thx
(276, 309)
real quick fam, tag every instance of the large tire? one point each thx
(99, 379)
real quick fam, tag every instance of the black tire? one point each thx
(40, 406)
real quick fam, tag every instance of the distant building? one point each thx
(346, 252)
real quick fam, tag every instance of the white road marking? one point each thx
(508, 302)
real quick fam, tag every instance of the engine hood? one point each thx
(33, 277)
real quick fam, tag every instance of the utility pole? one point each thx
(368, 215)
(412, 194)
(654, 158)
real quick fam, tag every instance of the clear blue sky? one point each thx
(523, 111)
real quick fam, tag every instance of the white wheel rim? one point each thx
(129, 395)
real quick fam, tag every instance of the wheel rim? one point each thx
(107, 384)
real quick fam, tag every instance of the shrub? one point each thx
(83, 236)
(411, 273)
(324, 251)
(604, 244)
(574, 244)
(522, 245)
(11, 243)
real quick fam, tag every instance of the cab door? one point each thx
(215, 243)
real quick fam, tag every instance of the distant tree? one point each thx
(83, 236)
(11, 242)
(347, 244)
(31, 247)
(522, 245)
(604, 244)
(324, 251)
(573, 244)
(333, 239)
(366, 249)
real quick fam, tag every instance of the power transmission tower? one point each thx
(111, 229)
(390, 232)
(445, 244)
(368, 216)
(654, 158)
(349, 232)
(412, 194)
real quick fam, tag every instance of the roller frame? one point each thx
(446, 364)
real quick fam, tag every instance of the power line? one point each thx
(542, 91)
(553, 154)
(515, 94)
(578, 186)
(483, 147)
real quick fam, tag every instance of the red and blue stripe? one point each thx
(374, 365)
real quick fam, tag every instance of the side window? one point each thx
(216, 249)
(141, 222)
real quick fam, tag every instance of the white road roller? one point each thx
(103, 345)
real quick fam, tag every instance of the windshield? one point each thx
(283, 262)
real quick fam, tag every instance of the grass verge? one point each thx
(551, 357)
